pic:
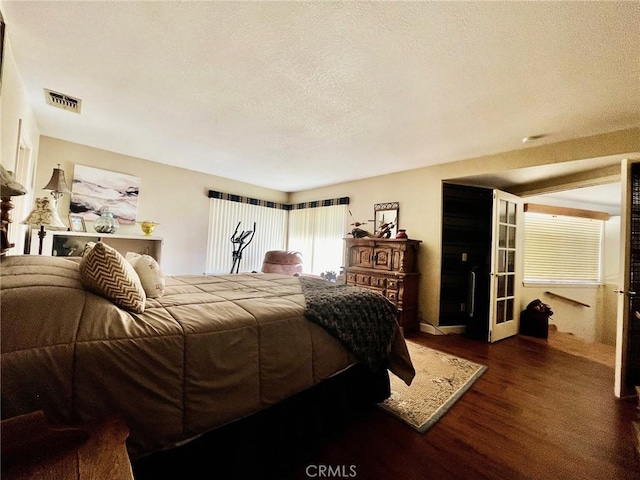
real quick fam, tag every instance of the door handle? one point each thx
(472, 294)
(622, 292)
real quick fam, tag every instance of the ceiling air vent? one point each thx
(60, 100)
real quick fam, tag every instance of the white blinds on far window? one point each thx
(562, 249)
(317, 233)
(271, 227)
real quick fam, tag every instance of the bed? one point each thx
(212, 349)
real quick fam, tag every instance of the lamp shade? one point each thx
(8, 186)
(44, 215)
(57, 183)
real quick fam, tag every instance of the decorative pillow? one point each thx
(149, 272)
(87, 248)
(105, 272)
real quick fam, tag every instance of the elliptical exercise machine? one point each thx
(240, 241)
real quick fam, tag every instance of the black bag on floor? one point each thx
(534, 321)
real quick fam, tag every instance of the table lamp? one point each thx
(44, 216)
(57, 184)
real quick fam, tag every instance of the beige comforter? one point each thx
(211, 350)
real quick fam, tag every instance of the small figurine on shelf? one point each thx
(148, 226)
(358, 232)
(385, 230)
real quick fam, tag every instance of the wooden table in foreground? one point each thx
(32, 448)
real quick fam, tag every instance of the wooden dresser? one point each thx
(390, 267)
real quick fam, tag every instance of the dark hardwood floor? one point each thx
(536, 413)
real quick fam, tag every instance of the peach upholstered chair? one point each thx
(282, 261)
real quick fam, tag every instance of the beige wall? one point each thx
(174, 197)
(419, 193)
(14, 110)
(570, 317)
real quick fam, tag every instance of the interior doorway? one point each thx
(24, 174)
(480, 268)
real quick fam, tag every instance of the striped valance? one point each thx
(252, 201)
(282, 206)
(320, 203)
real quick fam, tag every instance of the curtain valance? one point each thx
(281, 206)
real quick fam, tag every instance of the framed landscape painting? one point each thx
(94, 189)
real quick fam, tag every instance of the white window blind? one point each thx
(562, 249)
(270, 232)
(317, 233)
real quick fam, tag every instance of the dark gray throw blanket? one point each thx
(362, 319)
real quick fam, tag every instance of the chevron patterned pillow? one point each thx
(105, 272)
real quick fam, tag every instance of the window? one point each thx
(317, 233)
(270, 231)
(562, 249)
(315, 229)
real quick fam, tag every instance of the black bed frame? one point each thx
(276, 441)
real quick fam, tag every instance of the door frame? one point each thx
(622, 323)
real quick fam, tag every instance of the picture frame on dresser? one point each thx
(386, 213)
(76, 223)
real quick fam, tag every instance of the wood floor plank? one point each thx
(536, 413)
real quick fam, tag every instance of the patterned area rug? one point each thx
(441, 379)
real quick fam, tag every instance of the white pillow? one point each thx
(148, 270)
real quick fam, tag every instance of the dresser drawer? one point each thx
(361, 256)
(363, 279)
(383, 258)
(378, 282)
(351, 278)
(392, 295)
(393, 283)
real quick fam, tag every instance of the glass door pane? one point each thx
(503, 322)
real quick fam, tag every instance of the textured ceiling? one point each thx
(296, 95)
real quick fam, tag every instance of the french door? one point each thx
(506, 266)
(627, 371)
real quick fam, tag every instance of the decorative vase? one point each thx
(107, 223)
(401, 234)
(148, 227)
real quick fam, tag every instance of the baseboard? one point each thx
(444, 330)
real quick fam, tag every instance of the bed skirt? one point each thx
(276, 441)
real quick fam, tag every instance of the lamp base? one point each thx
(41, 234)
(6, 205)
